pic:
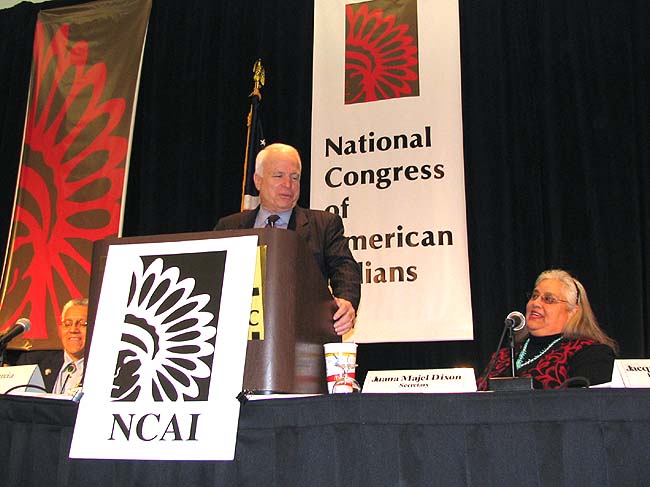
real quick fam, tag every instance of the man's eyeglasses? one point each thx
(546, 298)
(80, 323)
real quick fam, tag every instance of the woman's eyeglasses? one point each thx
(546, 298)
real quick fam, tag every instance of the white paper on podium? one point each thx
(167, 354)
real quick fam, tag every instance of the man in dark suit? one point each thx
(63, 369)
(277, 178)
(49, 361)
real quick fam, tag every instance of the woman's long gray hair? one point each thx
(583, 323)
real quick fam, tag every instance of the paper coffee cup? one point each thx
(336, 355)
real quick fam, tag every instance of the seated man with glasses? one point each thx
(63, 370)
(562, 343)
(72, 332)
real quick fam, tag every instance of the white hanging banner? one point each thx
(167, 355)
(387, 156)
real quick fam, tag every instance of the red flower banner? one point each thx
(75, 158)
(381, 51)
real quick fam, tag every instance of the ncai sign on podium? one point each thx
(166, 360)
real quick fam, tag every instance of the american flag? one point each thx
(254, 140)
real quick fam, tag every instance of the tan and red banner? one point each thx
(72, 177)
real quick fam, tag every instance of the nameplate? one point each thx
(420, 381)
(631, 373)
(20, 379)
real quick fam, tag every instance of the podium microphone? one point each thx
(21, 326)
(515, 321)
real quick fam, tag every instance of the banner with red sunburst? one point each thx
(381, 51)
(387, 156)
(74, 162)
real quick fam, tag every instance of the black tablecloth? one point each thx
(567, 437)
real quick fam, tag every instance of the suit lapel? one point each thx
(299, 222)
(248, 219)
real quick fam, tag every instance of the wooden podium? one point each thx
(298, 310)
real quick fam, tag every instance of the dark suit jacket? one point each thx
(323, 233)
(49, 361)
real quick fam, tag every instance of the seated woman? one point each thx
(561, 340)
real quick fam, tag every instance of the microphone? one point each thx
(21, 326)
(515, 320)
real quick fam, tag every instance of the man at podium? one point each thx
(277, 178)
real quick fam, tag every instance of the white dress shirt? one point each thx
(70, 375)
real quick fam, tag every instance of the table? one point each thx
(563, 437)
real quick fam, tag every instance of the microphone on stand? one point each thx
(21, 326)
(515, 321)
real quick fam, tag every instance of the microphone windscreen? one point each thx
(517, 319)
(26, 324)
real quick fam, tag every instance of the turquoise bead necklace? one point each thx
(520, 358)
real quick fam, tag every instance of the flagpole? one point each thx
(256, 97)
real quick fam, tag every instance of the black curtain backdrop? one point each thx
(556, 139)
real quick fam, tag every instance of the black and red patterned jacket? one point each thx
(566, 359)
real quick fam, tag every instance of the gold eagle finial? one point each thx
(259, 77)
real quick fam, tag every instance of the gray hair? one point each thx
(583, 323)
(276, 147)
(572, 292)
(74, 302)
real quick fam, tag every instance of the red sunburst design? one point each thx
(70, 183)
(380, 58)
